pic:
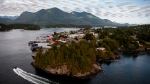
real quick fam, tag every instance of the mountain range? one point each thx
(57, 16)
(10, 17)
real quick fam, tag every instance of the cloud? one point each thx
(110, 6)
(132, 7)
(66, 8)
(94, 0)
(2, 1)
(107, 13)
(90, 10)
(99, 12)
(123, 10)
(114, 15)
(141, 9)
(147, 15)
(139, 14)
(145, 7)
(78, 9)
(148, 10)
(102, 8)
(124, 3)
(109, 1)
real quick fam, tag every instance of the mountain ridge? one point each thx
(57, 16)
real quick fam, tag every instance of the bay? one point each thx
(14, 52)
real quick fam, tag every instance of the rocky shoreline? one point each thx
(64, 70)
(109, 60)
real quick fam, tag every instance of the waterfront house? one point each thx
(101, 48)
(61, 41)
(133, 37)
(50, 36)
(96, 35)
(72, 35)
(81, 36)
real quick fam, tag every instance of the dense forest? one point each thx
(79, 56)
(4, 27)
(129, 38)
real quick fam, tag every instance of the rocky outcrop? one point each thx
(88, 75)
(64, 70)
(109, 60)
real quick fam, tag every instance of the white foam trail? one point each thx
(31, 77)
(34, 79)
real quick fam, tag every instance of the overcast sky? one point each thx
(122, 11)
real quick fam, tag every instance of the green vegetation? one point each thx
(128, 38)
(77, 56)
(19, 26)
(4, 27)
(80, 56)
(24, 26)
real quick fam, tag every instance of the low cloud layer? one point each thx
(122, 11)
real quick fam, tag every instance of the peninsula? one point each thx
(78, 53)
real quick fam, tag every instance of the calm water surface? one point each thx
(14, 52)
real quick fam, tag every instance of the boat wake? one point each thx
(32, 78)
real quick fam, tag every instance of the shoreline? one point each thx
(88, 75)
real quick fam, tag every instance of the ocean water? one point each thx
(14, 52)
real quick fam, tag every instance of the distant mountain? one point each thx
(57, 16)
(6, 20)
(9, 17)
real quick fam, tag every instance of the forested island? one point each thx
(4, 27)
(78, 53)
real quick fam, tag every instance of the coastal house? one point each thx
(101, 48)
(80, 32)
(56, 41)
(92, 33)
(69, 40)
(133, 37)
(51, 42)
(81, 35)
(64, 33)
(136, 42)
(50, 36)
(110, 33)
(72, 35)
(110, 27)
(96, 35)
(96, 28)
(61, 41)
